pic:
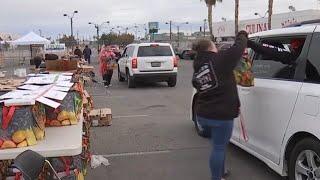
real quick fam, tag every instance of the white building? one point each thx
(227, 29)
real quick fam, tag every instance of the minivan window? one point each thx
(312, 73)
(268, 66)
(145, 51)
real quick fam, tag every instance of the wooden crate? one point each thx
(101, 117)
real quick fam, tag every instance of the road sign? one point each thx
(153, 27)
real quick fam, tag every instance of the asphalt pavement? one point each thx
(153, 138)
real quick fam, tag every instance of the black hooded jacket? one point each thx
(219, 100)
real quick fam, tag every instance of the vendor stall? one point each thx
(26, 122)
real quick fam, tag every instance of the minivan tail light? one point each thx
(134, 63)
(175, 61)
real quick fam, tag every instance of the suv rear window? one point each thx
(145, 51)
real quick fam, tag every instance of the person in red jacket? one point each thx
(106, 57)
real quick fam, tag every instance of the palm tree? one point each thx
(270, 12)
(210, 4)
(236, 14)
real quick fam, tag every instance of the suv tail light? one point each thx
(175, 61)
(134, 63)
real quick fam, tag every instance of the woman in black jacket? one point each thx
(218, 101)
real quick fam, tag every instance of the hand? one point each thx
(242, 33)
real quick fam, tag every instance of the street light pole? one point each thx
(71, 20)
(204, 27)
(178, 36)
(97, 26)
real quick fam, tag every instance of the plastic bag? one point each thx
(98, 160)
(243, 73)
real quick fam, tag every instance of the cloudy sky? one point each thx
(22, 16)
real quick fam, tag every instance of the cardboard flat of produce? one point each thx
(10, 84)
(61, 65)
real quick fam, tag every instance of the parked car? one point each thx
(281, 112)
(188, 54)
(154, 62)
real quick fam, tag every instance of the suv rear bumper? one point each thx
(154, 77)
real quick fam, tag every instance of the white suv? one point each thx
(154, 62)
(281, 113)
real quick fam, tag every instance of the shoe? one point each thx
(226, 174)
(110, 85)
(106, 86)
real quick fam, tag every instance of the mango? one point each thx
(31, 138)
(8, 144)
(63, 115)
(19, 136)
(39, 133)
(65, 123)
(73, 118)
(55, 123)
(22, 144)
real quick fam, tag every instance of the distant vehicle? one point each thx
(281, 112)
(224, 45)
(188, 54)
(155, 62)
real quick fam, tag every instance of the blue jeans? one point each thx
(221, 131)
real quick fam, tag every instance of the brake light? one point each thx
(134, 63)
(175, 61)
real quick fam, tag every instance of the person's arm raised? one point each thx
(231, 56)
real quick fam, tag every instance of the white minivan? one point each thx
(154, 62)
(281, 113)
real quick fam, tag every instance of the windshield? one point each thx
(146, 51)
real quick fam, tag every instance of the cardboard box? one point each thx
(61, 65)
(101, 117)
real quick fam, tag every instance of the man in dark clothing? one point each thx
(217, 102)
(87, 54)
(277, 53)
(78, 52)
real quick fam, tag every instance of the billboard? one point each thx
(226, 29)
(153, 27)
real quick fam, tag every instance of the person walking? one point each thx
(87, 54)
(106, 57)
(217, 96)
(78, 52)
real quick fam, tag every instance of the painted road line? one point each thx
(130, 116)
(135, 154)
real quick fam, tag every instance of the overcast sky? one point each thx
(22, 16)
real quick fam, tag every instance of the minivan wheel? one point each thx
(202, 131)
(131, 83)
(120, 78)
(304, 162)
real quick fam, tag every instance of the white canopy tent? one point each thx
(31, 39)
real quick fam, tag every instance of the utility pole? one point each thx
(204, 27)
(178, 36)
(170, 30)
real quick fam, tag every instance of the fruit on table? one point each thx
(39, 133)
(22, 144)
(73, 118)
(31, 138)
(8, 144)
(1, 142)
(55, 123)
(65, 123)
(63, 115)
(19, 136)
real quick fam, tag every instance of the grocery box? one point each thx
(61, 65)
(101, 117)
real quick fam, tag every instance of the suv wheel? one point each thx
(131, 83)
(304, 162)
(172, 82)
(202, 131)
(120, 78)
